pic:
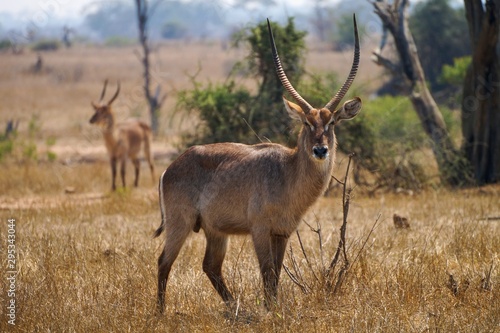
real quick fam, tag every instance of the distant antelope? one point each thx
(262, 190)
(123, 139)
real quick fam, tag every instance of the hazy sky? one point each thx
(75, 8)
(54, 7)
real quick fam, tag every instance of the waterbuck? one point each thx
(123, 139)
(262, 190)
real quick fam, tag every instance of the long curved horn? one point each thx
(334, 102)
(306, 107)
(115, 95)
(103, 90)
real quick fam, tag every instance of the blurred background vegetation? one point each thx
(387, 137)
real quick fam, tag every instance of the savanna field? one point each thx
(87, 261)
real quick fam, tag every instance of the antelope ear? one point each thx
(93, 105)
(294, 110)
(348, 111)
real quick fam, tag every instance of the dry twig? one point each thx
(341, 249)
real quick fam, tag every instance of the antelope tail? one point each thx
(161, 192)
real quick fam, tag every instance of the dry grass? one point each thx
(87, 261)
(92, 267)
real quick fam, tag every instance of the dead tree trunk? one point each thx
(154, 101)
(481, 92)
(394, 19)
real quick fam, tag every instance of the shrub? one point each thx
(455, 74)
(118, 41)
(342, 37)
(46, 45)
(232, 113)
(267, 115)
(222, 108)
(5, 44)
(174, 30)
(7, 139)
(386, 137)
(6, 147)
(23, 148)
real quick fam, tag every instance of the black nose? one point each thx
(320, 152)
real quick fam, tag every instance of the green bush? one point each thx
(455, 74)
(49, 142)
(222, 108)
(46, 45)
(342, 37)
(441, 34)
(22, 147)
(118, 41)
(7, 139)
(231, 113)
(386, 137)
(6, 147)
(174, 30)
(5, 44)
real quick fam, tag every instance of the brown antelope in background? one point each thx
(262, 190)
(123, 139)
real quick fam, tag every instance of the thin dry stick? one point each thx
(345, 267)
(345, 206)
(295, 277)
(295, 280)
(486, 281)
(320, 239)
(295, 265)
(305, 256)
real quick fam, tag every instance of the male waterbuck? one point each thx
(262, 190)
(123, 139)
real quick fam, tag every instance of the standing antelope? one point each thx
(262, 190)
(123, 139)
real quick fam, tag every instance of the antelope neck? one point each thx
(110, 135)
(312, 176)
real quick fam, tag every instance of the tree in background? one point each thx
(395, 21)
(154, 100)
(174, 30)
(260, 65)
(481, 91)
(342, 38)
(230, 112)
(439, 32)
(320, 21)
(331, 22)
(259, 61)
(112, 18)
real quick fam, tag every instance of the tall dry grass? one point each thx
(91, 267)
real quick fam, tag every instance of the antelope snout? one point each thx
(320, 152)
